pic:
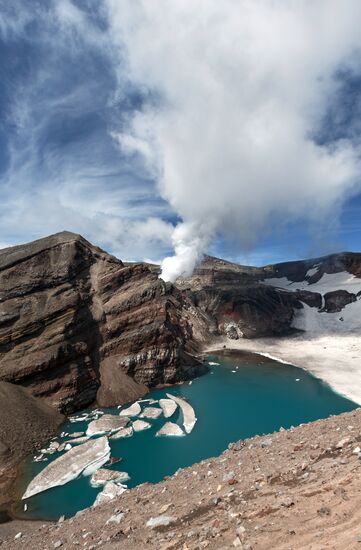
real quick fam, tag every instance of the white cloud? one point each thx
(242, 87)
(68, 13)
(64, 170)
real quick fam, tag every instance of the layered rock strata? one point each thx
(75, 322)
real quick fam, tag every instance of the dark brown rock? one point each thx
(337, 300)
(24, 419)
(72, 315)
(145, 330)
(235, 302)
(76, 324)
(334, 263)
(116, 386)
(26, 422)
(312, 299)
(49, 340)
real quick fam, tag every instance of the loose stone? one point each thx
(160, 521)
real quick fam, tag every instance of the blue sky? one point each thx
(67, 94)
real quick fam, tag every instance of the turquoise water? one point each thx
(259, 397)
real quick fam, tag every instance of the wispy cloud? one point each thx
(120, 120)
(63, 169)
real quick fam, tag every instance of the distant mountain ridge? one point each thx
(243, 301)
(77, 325)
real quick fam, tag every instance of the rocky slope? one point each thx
(295, 489)
(251, 302)
(25, 423)
(74, 318)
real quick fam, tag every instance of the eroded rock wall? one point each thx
(69, 312)
(77, 324)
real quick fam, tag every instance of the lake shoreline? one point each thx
(269, 395)
(295, 478)
(331, 358)
(249, 351)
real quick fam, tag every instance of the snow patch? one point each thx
(312, 271)
(328, 282)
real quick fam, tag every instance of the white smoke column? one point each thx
(242, 86)
(189, 242)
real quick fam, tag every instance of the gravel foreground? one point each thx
(294, 489)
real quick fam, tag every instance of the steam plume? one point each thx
(239, 91)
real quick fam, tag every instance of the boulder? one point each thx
(231, 331)
(312, 299)
(160, 521)
(337, 300)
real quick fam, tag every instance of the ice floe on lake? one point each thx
(83, 459)
(140, 425)
(123, 432)
(108, 423)
(170, 429)
(151, 412)
(40, 458)
(74, 435)
(168, 407)
(77, 441)
(133, 410)
(89, 450)
(189, 417)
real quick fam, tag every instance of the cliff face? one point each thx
(251, 302)
(77, 325)
(237, 303)
(48, 335)
(145, 333)
(71, 314)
